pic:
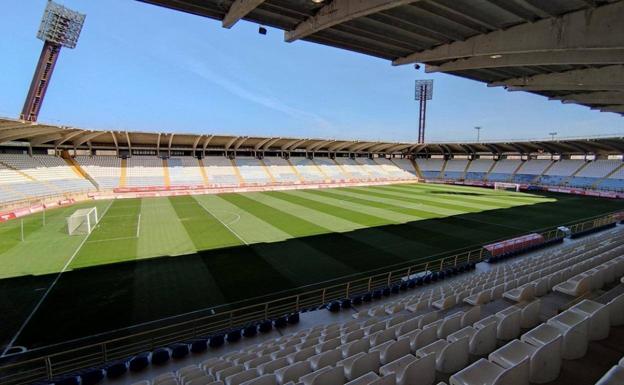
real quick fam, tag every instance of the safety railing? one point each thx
(52, 361)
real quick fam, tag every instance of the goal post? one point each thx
(82, 221)
(507, 186)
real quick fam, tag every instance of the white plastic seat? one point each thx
(541, 287)
(216, 366)
(393, 350)
(573, 327)
(257, 361)
(324, 359)
(598, 314)
(397, 365)
(483, 372)
(361, 364)
(267, 379)
(420, 371)
(445, 303)
(529, 314)
(239, 378)
(615, 376)
(427, 319)
(450, 356)
(382, 336)
(480, 298)
(397, 319)
(367, 379)
(206, 380)
(352, 336)
(497, 292)
(190, 377)
(301, 355)
(522, 293)
(471, 316)
(271, 366)
(419, 338)
(325, 376)
(328, 345)
(616, 310)
(514, 356)
(509, 323)
(482, 340)
(575, 287)
(222, 374)
(450, 324)
(292, 372)
(546, 361)
(355, 347)
(406, 327)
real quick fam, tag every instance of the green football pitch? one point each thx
(158, 257)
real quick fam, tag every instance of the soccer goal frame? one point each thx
(507, 186)
(82, 221)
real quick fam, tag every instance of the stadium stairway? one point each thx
(77, 168)
(202, 170)
(123, 177)
(512, 342)
(239, 177)
(166, 178)
(267, 171)
(294, 170)
(613, 172)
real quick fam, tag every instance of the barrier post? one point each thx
(370, 283)
(389, 278)
(347, 289)
(48, 365)
(297, 303)
(455, 262)
(323, 296)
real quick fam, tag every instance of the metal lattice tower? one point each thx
(423, 92)
(60, 27)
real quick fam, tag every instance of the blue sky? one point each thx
(141, 67)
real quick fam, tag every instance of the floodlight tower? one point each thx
(424, 92)
(60, 27)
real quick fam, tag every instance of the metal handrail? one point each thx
(47, 365)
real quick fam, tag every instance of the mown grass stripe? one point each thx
(480, 194)
(454, 198)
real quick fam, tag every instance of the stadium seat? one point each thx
(598, 315)
(199, 345)
(360, 364)
(548, 341)
(615, 376)
(485, 372)
(116, 369)
(482, 340)
(449, 356)
(139, 362)
(508, 323)
(179, 351)
(616, 310)
(529, 313)
(420, 371)
(574, 329)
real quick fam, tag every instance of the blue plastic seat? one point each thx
(139, 362)
(160, 356)
(179, 351)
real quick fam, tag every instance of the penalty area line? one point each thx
(45, 295)
(223, 223)
(138, 226)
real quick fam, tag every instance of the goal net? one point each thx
(506, 186)
(82, 221)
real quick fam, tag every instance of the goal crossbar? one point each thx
(82, 221)
(506, 186)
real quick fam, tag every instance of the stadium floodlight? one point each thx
(60, 27)
(478, 128)
(82, 221)
(423, 92)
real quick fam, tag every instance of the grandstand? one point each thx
(238, 260)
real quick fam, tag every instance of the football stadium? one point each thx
(133, 257)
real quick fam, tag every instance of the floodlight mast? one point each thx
(60, 27)
(423, 92)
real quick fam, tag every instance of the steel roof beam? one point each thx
(603, 97)
(87, 137)
(25, 133)
(338, 12)
(600, 79)
(600, 29)
(579, 56)
(238, 10)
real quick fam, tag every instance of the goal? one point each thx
(82, 221)
(506, 186)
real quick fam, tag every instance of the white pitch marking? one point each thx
(45, 295)
(138, 226)
(223, 223)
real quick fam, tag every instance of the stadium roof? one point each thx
(23, 133)
(567, 50)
